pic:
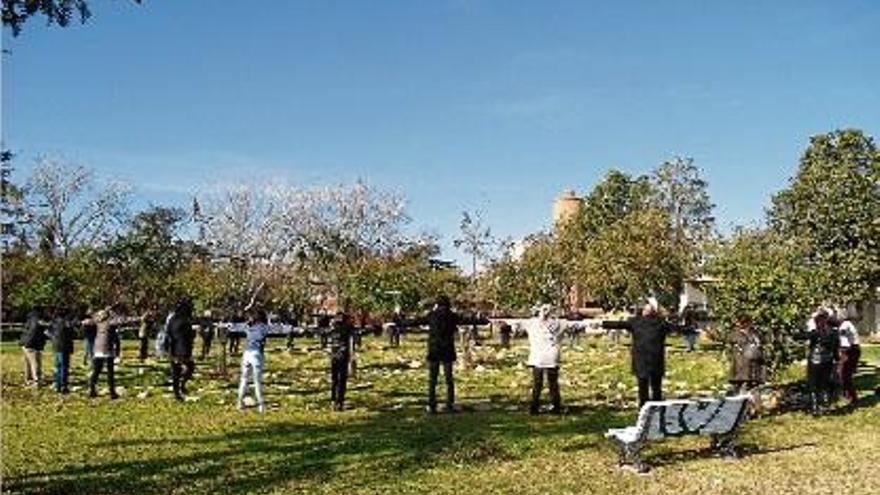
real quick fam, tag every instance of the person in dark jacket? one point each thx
(442, 326)
(180, 347)
(340, 339)
(62, 343)
(824, 344)
(649, 332)
(33, 341)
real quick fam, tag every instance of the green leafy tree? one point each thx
(680, 190)
(60, 12)
(632, 258)
(830, 210)
(761, 275)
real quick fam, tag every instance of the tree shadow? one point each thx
(379, 447)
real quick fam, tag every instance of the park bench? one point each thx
(717, 418)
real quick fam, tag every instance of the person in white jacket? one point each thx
(545, 336)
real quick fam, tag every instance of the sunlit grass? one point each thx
(385, 443)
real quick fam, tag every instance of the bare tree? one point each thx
(68, 207)
(269, 227)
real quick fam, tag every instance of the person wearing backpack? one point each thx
(253, 358)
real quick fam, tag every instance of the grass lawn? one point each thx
(385, 443)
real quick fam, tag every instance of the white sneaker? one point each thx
(261, 409)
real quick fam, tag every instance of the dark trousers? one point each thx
(433, 375)
(394, 336)
(206, 346)
(290, 341)
(650, 387)
(181, 371)
(144, 346)
(233, 343)
(98, 366)
(538, 386)
(820, 382)
(62, 371)
(849, 362)
(338, 379)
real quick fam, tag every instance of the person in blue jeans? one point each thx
(253, 360)
(62, 334)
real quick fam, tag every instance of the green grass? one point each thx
(387, 444)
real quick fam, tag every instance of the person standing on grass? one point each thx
(144, 330)
(253, 359)
(442, 325)
(747, 366)
(850, 353)
(341, 337)
(90, 331)
(33, 341)
(649, 331)
(103, 353)
(180, 347)
(545, 336)
(824, 343)
(206, 330)
(62, 343)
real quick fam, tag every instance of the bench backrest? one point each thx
(691, 417)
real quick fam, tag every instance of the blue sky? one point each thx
(460, 104)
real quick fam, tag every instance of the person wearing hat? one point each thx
(442, 324)
(649, 331)
(545, 338)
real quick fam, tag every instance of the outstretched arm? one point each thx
(617, 325)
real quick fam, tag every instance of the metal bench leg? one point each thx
(725, 444)
(632, 454)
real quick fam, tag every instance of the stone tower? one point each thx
(566, 206)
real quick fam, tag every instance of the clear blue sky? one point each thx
(460, 104)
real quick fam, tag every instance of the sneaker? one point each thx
(261, 409)
(114, 396)
(431, 410)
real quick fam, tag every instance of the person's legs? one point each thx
(176, 372)
(188, 370)
(433, 371)
(243, 382)
(65, 372)
(643, 389)
(257, 366)
(537, 386)
(657, 387)
(57, 371)
(97, 366)
(142, 352)
(553, 383)
(342, 382)
(111, 378)
(334, 379)
(450, 386)
(38, 367)
(30, 367)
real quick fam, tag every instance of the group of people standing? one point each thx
(833, 351)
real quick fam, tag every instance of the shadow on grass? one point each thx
(375, 449)
(662, 459)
